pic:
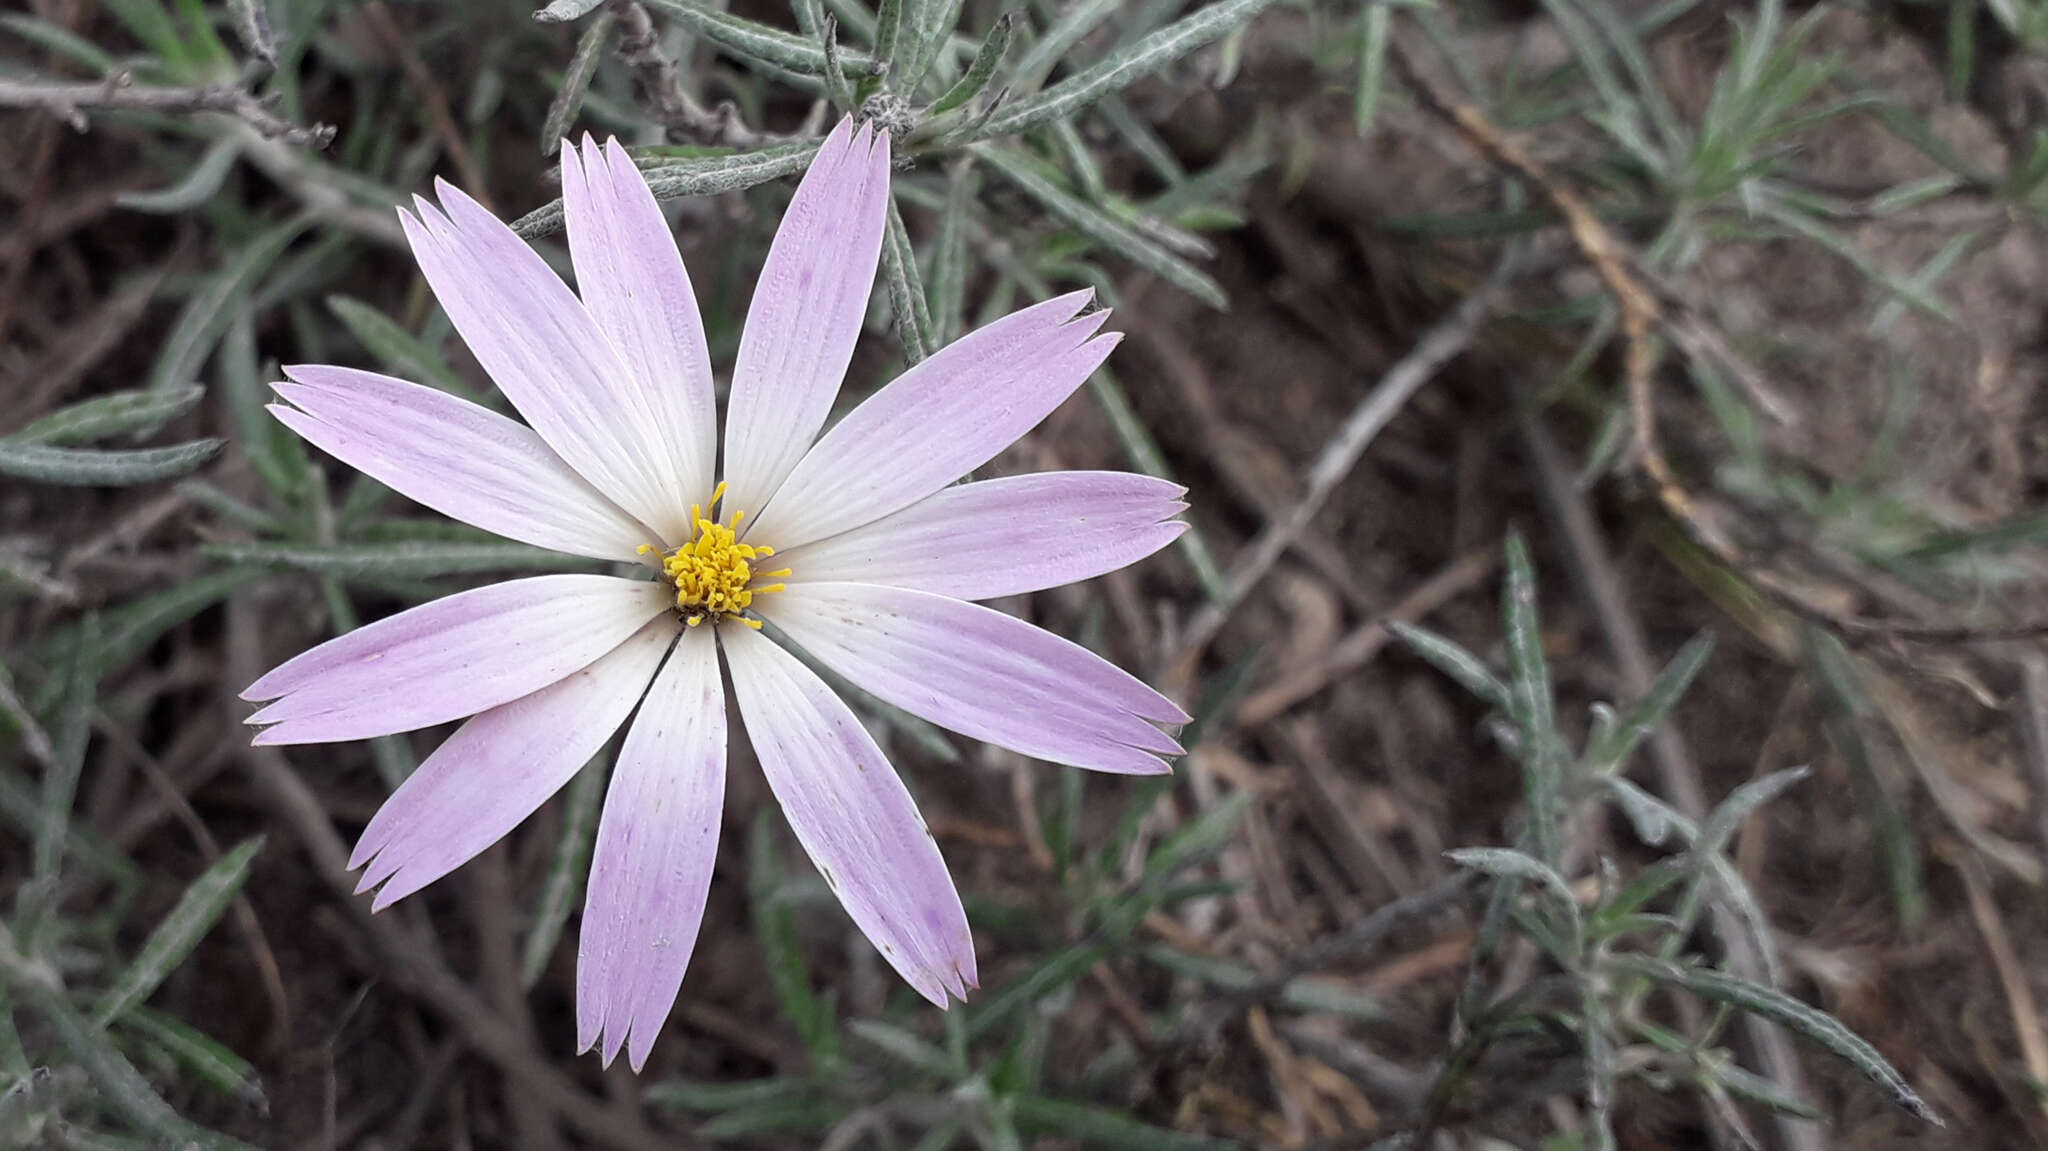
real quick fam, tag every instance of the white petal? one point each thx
(632, 281)
(1002, 537)
(806, 313)
(979, 672)
(853, 816)
(655, 850)
(940, 420)
(501, 766)
(544, 352)
(451, 658)
(457, 458)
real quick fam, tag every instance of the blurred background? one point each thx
(1613, 612)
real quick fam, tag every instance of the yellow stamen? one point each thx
(713, 573)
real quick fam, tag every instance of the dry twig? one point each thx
(1646, 307)
(668, 101)
(1450, 336)
(71, 102)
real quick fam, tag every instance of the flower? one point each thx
(851, 543)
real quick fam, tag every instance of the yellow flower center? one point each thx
(714, 572)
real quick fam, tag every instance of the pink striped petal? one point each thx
(1002, 537)
(632, 281)
(457, 458)
(655, 849)
(544, 352)
(807, 311)
(501, 766)
(938, 421)
(981, 673)
(451, 658)
(854, 817)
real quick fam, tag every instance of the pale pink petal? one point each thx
(853, 815)
(451, 658)
(655, 849)
(806, 314)
(632, 281)
(981, 673)
(500, 766)
(1003, 536)
(456, 458)
(540, 346)
(937, 422)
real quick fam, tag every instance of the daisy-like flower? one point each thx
(854, 545)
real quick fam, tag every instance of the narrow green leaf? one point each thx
(913, 1052)
(21, 805)
(1102, 1127)
(1800, 224)
(1453, 660)
(68, 740)
(694, 1095)
(1722, 822)
(704, 176)
(112, 414)
(889, 40)
(838, 89)
(1080, 163)
(1374, 23)
(949, 255)
(401, 560)
(1045, 977)
(760, 42)
(198, 186)
(1811, 1022)
(206, 314)
(906, 292)
(398, 350)
(197, 910)
(278, 456)
(775, 932)
(986, 60)
(1962, 46)
(1199, 836)
(61, 42)
(1123, 68)
(1531, 703)
(813, 1114)
(1610, 752)
(148, 22)
(121, 1087)
(1144, 454)
(582, 800)
(930, 25)
(1305, 993)
(1507, 863)
(1103, 228)
(1757, 1089)
(576, 80)
(1846, 707)
(211, 1060)
(1075, 21)
(1656, 823)
(84, 467)
(126, 630)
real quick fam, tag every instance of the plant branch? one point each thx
(668, 102)
(71, 103)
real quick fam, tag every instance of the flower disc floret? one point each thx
(714, 572)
